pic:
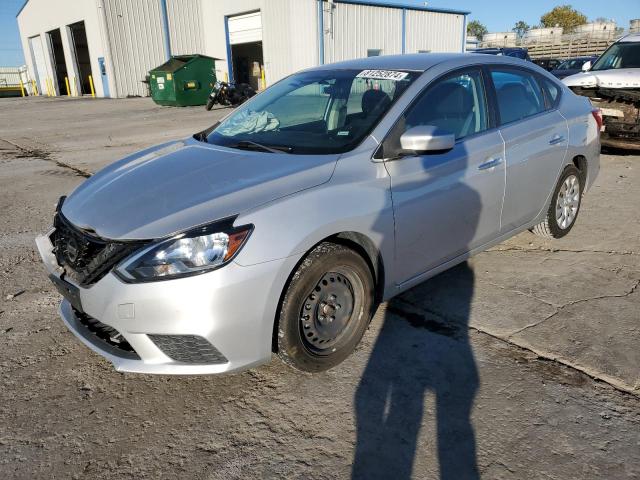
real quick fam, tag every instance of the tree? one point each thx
(521, 28)
(564, 16)
(475, 28)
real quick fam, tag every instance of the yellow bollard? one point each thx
(22, 88)
(34, 89)
(93, 92)
(46, 82)
(226, 77)
(264, 82)
(66, 81)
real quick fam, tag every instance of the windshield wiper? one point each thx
(248, 145)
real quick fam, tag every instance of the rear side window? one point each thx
(518, 93)
(552, 91)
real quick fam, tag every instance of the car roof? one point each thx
(585, 57)
(631, 38)
(418, 61)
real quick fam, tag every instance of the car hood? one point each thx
(563, 73)
(161, 191)
(615, 78)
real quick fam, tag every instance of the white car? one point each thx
(613, 84)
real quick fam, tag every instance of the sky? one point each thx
(10, 48)
(501, 15)
(496, 15)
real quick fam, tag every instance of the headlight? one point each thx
(189, 253)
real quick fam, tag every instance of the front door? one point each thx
(450, 202)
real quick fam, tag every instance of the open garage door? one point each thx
(58, 62)
(83, 61)
(245, 42)
(245, 28)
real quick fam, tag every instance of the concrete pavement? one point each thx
(524, 362)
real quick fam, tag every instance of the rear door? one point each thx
(536, 139)
(446, 203)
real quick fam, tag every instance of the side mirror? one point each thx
(427, 138)
(586, 66)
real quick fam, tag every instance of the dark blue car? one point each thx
(572, 66)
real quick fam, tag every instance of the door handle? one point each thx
(492, 162)
(556, 139)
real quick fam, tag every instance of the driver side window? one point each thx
(456, 104)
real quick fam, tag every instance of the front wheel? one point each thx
(565, 206)
(210, 102)
(325, 309)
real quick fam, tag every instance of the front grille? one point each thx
(86, 258)
(105, 337)
(188, 349)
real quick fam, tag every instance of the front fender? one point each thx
(357, 199)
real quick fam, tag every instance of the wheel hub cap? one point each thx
(327, 310)
(568, 202)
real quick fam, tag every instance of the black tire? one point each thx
(550, 228)
(326, 308)
(210, 103)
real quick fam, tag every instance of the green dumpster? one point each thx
(183, 80)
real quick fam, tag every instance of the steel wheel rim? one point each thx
(568, 202)
(330, 311)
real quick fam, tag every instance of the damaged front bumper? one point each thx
(621, 115)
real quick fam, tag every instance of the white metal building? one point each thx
(117, 42)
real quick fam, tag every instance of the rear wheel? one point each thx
(326, 308)
(565, 206)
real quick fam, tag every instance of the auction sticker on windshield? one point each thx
(383, 75)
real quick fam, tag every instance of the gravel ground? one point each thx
(522, 363)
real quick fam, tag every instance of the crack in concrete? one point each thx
(553, 250)
(611, 381)
(574, 302)
(45, 156)
(524, 294)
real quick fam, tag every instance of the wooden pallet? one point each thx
(568, 49)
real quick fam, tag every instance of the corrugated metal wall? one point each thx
(290, 37)
(432, 31)
(137, 42)
(353, 29)
(185, 26)
(290, 29)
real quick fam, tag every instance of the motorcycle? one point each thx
(229, 94)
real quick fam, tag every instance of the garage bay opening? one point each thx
(245, 44)
(82, 59)
(57, 61)
(247, 63)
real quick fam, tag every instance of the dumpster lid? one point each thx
(176, 62)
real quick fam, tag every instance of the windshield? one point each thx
(316, 112)
(619, 55)
(575, 64)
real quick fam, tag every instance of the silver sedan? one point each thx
(282, 227)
